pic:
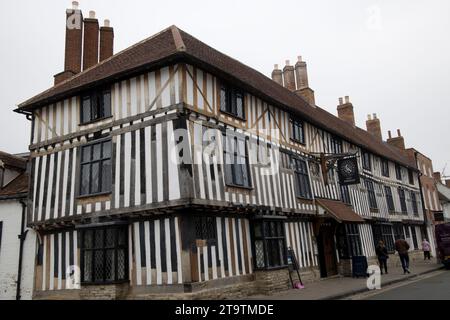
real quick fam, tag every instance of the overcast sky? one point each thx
(391, 57)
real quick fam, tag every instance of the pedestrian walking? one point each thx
(426, 247)
(402, 248)
(382, 255)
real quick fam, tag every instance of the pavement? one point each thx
(341, 287)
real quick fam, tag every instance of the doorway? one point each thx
(327, 250)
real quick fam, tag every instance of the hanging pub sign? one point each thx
(348, 171)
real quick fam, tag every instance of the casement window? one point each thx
(389, 198)
(303, 189)
(398, 231)
(414, 238)
(348, 241)
(95, 105)
(269, 244)
(336, 145)
(104, 255)
(383, 232)
(414, 203)
(384, 167)
(237, 171)
(205, 228)
(95, 168)
(232, 101)
(345, 194)
(401, 195)
(371, 194)
(410, 176)
(398, 172)
(298, 130)
(366, 163)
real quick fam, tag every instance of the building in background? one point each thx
(118, 216)
(17, 242)
(443, 189)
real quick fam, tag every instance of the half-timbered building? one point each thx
(172, 169)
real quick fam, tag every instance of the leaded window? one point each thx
(205, 228)
(298, 130)
(414, 238)
(345, 194)
(410, 176)
(366, 163)
(237, 171)
(385, 167)
(414, 203)
(303, 189)
(269, 244)
(371, 194)
(398, 172)
(232, 101)
(398, 231)
(336, 144)
(389, 198)
(104, 255)
(401, 195)
(383, 232)
(348, 241)
(96, 171)
(95, 105)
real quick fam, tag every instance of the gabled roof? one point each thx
(173, 44)
(13, 161)
(16, 188)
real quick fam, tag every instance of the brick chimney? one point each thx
(277, 75)
(91, 43)
(73, 45)
(289, 76)
(398, 142)
(106, 41)
(345, 111)
(302, 88)
(373, 126)
(437, 176)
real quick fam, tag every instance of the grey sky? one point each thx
(391, 57)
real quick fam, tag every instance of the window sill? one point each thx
(233, 115)
(229, 185)
(107, 193)
(272, 268)
(94, 121)
(108, 283)
(304, 198)
(298, 141)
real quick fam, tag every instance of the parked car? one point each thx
(443, 243)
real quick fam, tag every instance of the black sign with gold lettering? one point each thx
(348, 171)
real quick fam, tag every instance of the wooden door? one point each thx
(328, 247)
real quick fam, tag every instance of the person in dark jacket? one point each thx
(382, 255)
(402, 248)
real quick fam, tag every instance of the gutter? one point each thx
(22, 236)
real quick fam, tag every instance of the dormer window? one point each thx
(95, 105)
(232, 101)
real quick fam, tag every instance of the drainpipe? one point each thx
(22, 236)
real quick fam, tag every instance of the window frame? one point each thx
(371, 195)
(297, 122)
(101, 160)
(348, 240)
(266, 239)
(383, 231)
(398, 172)
(414, 203)
(389, 199)
(116, 248)
(336, 145)
(233, 183)
(97, 101)
(230, 103)
(402, 199)
(301, 174)
(366, 160)
(410, 177)
(345, 194)
(385, 168)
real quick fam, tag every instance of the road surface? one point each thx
(435, 286)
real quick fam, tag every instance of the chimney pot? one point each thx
(374, 115)
(288, 62)
(399, 133)
(299, 58)
(107, 23)
(341, 101)
(389, 134)
(75, 5)
(91, 14)
(276, 67)
(369, 117)
(347, 99)
(373, 126)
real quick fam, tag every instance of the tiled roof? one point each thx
(172, 44)
(339, 210)
(17, 187)
(13, 161)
